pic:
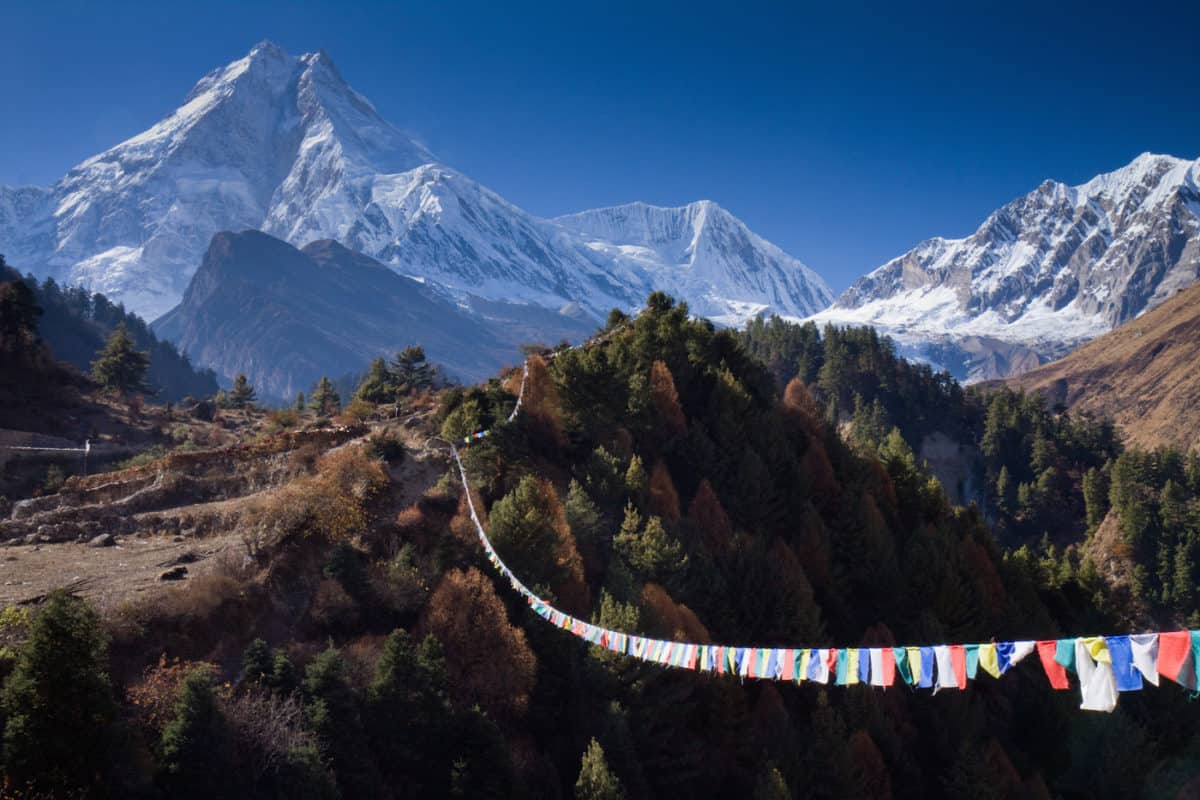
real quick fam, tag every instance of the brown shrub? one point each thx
(664, 500)
(154, 697)
(267, 729)
(333, 503)
(356, 412)
(332, 608)
(488, 660)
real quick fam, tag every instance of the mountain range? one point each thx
(284, 145)
(1042, 274)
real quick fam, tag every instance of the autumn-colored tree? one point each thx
(708, 516)
(799, 404)
(665, 399)
(488, 660)
(664, 500)
(669, 619)
(872, 772)
(541, 409)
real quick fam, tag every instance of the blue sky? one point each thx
(844, 135)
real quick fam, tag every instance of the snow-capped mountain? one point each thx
(284, 145)
(1050, 270)
(704, 254)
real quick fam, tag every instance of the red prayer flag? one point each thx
(958, 658)
(1174, 655)
(1055, 671)
(831, 660)
(889, 666)
(789, 664)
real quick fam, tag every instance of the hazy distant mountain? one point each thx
(284, 145)
(1044, 273)
(285, 317)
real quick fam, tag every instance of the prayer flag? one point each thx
(1055, 672)
(1145, 653)
(958, 662)
(1126, 677)
(888, 657)
(989, 660)
(876, 661)
(914, 664)
(926, 668)
(900, 656)
(852, 666)
(946, 678)
(1096, 683)
(972, 653)
(1175, 657)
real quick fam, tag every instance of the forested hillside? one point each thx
(75, 323)
(663, 482)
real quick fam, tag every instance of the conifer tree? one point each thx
(299, 406)
(636, 479)
(195, 743)
(324, 399)
(19, 314)
(596, 781)
(57, 703)
(378, 386)
(242, 393)
(408, 716)
(333, 715)
(587, 525)
(413, 373)
(770, 785)
(120, 366)
(257, 663)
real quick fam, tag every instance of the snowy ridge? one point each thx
(704, 253)
(1054, 268)
(282, 144)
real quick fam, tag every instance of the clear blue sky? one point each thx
(845, 135)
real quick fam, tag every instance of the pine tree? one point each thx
(636, 479)
(652, 553)
(257, 663)
(1095, 497)
(242, 393)
(413, 373)
(57, 703)
(378, 386)
(770, 785)
(19, 314)
(324, 399)
(299, 406)
(195, 743)
(596, 781)
(587, 525)
(120, 366)
(333, 715)
(408, 716)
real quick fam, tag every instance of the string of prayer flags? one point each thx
(1104, 665)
